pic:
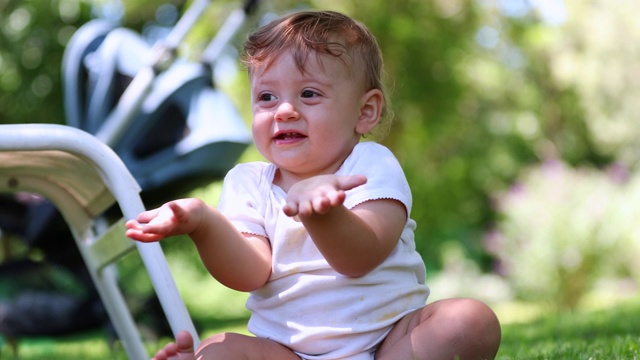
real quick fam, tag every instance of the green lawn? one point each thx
(610, 333)
(605, 333)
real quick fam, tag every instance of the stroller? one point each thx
(167, 121)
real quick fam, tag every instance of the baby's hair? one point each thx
(319, 32)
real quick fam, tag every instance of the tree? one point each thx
(32, 39)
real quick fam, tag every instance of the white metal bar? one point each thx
(34, 137)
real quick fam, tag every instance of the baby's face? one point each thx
(306, 122)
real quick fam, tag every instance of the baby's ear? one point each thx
(370, 111)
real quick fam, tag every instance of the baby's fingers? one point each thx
(336, 198)
(139, 235)
(301, 208)
(177, 211)
(136, 231)
(322, 204)
(351, 181)
(146, 216)
(305, 208)
(290, 209)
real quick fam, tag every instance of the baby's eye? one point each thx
(308, 93)
(266, 97)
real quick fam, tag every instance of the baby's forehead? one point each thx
(309, 62)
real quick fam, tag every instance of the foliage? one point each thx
(32, 39)
(563, 228)
(595, 52)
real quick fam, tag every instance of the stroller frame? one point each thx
(83, 177)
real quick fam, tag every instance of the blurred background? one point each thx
(515, 122)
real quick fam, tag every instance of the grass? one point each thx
(605, 333)
(610, 333)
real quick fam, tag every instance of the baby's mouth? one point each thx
(289, 136)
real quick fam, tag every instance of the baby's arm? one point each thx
(353, 241)
(240, 262)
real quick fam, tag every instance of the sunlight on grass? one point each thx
(610, 332)
(608, 295)
(518, 312)
(91, 345)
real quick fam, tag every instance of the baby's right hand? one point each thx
(173, 218)
(318, 194)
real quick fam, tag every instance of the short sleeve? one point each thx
(385, 177)
(242, 201)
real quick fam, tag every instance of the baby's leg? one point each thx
(225, 346)
(236, 346)
(446, 329)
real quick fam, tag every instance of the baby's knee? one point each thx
(472, 315)
(470, 320)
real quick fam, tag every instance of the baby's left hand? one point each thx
(318, 194)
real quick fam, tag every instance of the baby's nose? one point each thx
(286, 112)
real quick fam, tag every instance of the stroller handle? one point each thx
(163, 55)
(227, 31)
(186, 22)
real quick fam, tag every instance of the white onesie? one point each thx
(306, 305)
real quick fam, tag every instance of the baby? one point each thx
(321, 234)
